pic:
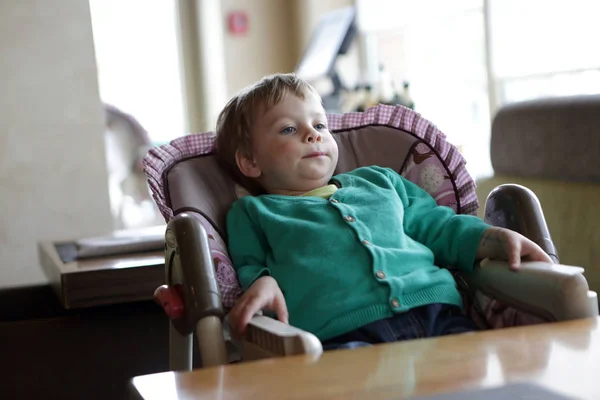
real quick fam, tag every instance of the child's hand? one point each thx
(265, 294)
(504, 244)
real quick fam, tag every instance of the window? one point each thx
(439, 48)
(138, 62)
(544, 48)
(459, 77)
(137, 55)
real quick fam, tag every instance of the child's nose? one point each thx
(313, 136)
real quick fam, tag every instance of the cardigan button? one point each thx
(349, 218)
(380, 274)
(395, 303)
(366, 242)
(335, 201)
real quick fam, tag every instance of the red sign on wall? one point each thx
(237, 22)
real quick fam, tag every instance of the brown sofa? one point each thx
(552, 146)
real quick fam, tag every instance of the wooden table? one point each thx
(563, 357)
(105, 280)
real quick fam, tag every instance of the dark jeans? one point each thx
(426, 321)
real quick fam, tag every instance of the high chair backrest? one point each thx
(184, 176)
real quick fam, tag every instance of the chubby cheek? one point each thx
(278, 153)
(285, 150)
(332, 144)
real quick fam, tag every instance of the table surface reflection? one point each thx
(563, 357)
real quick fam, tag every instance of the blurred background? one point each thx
(89, 87)
(173, 64)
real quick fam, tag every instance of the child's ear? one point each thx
(247, 165)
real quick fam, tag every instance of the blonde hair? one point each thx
(235, 122)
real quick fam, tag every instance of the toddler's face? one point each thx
(292, 149)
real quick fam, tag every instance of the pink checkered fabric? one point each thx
(159, 161)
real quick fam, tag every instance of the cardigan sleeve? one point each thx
(247, 246)
(453, 239)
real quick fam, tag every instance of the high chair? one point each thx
(193, 193)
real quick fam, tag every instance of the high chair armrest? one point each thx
(267, 337)
(557, 292)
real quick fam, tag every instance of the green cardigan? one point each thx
(367, 252)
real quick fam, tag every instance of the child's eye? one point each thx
(288, 130)
(320, 127)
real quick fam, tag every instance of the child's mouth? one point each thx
(316, 154)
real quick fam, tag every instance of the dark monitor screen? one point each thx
(332, 37)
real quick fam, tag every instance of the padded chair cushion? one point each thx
(424, 168)
(554, 138)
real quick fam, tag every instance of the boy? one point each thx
(352, 258)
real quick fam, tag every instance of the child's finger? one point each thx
(280, 308)
(235, 315)
(542, 256)
(535, 253)
(514, 255)
(250, 308)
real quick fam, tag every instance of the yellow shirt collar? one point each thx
(324, 192)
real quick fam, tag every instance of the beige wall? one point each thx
(269, 46)
(53, 181)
